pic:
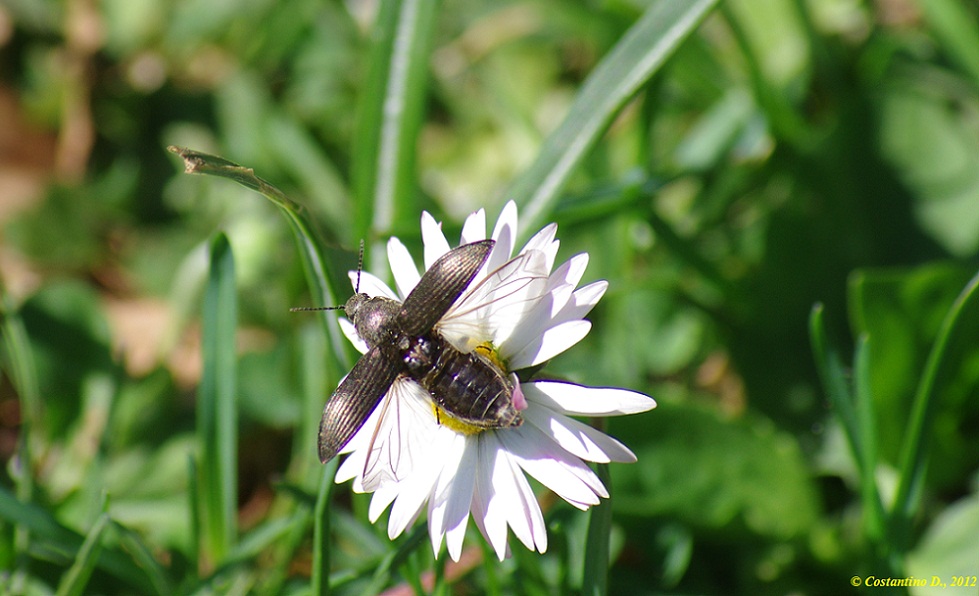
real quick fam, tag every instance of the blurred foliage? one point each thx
(790, 153)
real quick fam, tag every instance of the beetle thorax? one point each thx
(374, 318)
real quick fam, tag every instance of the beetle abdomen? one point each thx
(467, 386)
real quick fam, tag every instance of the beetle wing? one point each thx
(403, 434)
(500, 301)
(354, 400)
(441, 286)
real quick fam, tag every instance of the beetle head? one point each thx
(374, 318)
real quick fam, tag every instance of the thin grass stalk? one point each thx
(873, 508)
(321, 532)
(20, 367)
(315, 267)
(829, 366)
(597, 541)
(75, 580)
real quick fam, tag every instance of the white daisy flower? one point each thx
(518, 313)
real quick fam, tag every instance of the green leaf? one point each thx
(923, 139)
(953, 356)
(948, 547)
(384, 156)
(832, 373)
(595, 577)
(717, 473)
(18, 363)
(57, 541)
(957, 30)
(903, 313)
(316, 268)
(75, 580)
(217, 410)
(320, 582)
(627, 67)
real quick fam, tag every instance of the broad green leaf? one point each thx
(935, 156)
(714, 473)
(948, 549)
(958, 31)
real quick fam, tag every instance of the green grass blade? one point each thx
(874, 518)
(317, 382)
(595, 576)
(832, 373)
(957, 331)
(616, 79)
(391, 562)
(76, 578)
(217, 416)
(384, 160)
(194, 499)
(321, 531)
(56, 538)
(134, 544)
(18, 363)
(958, 31)
(314, 265)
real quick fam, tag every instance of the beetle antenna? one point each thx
(360, 266)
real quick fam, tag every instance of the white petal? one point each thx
(549, 311)
(579, 400)
(417, 487)
(581, 303)
(590, 294)
(349, 468)
(497, 304)
(489, 507)
(448, 511)
(511, 502)
(505, 234)
(475, 228)
(572, 269)
(451, 457)
(578, 439)
(383, 497)
(435, 243)
(544, 241)
(457, 510)
(553, 467)
(553, 341)
(402, 267)
(403, 435)
(351, 333)
(371, 285)
(526, 518)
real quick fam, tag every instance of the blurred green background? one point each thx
(788, 153)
